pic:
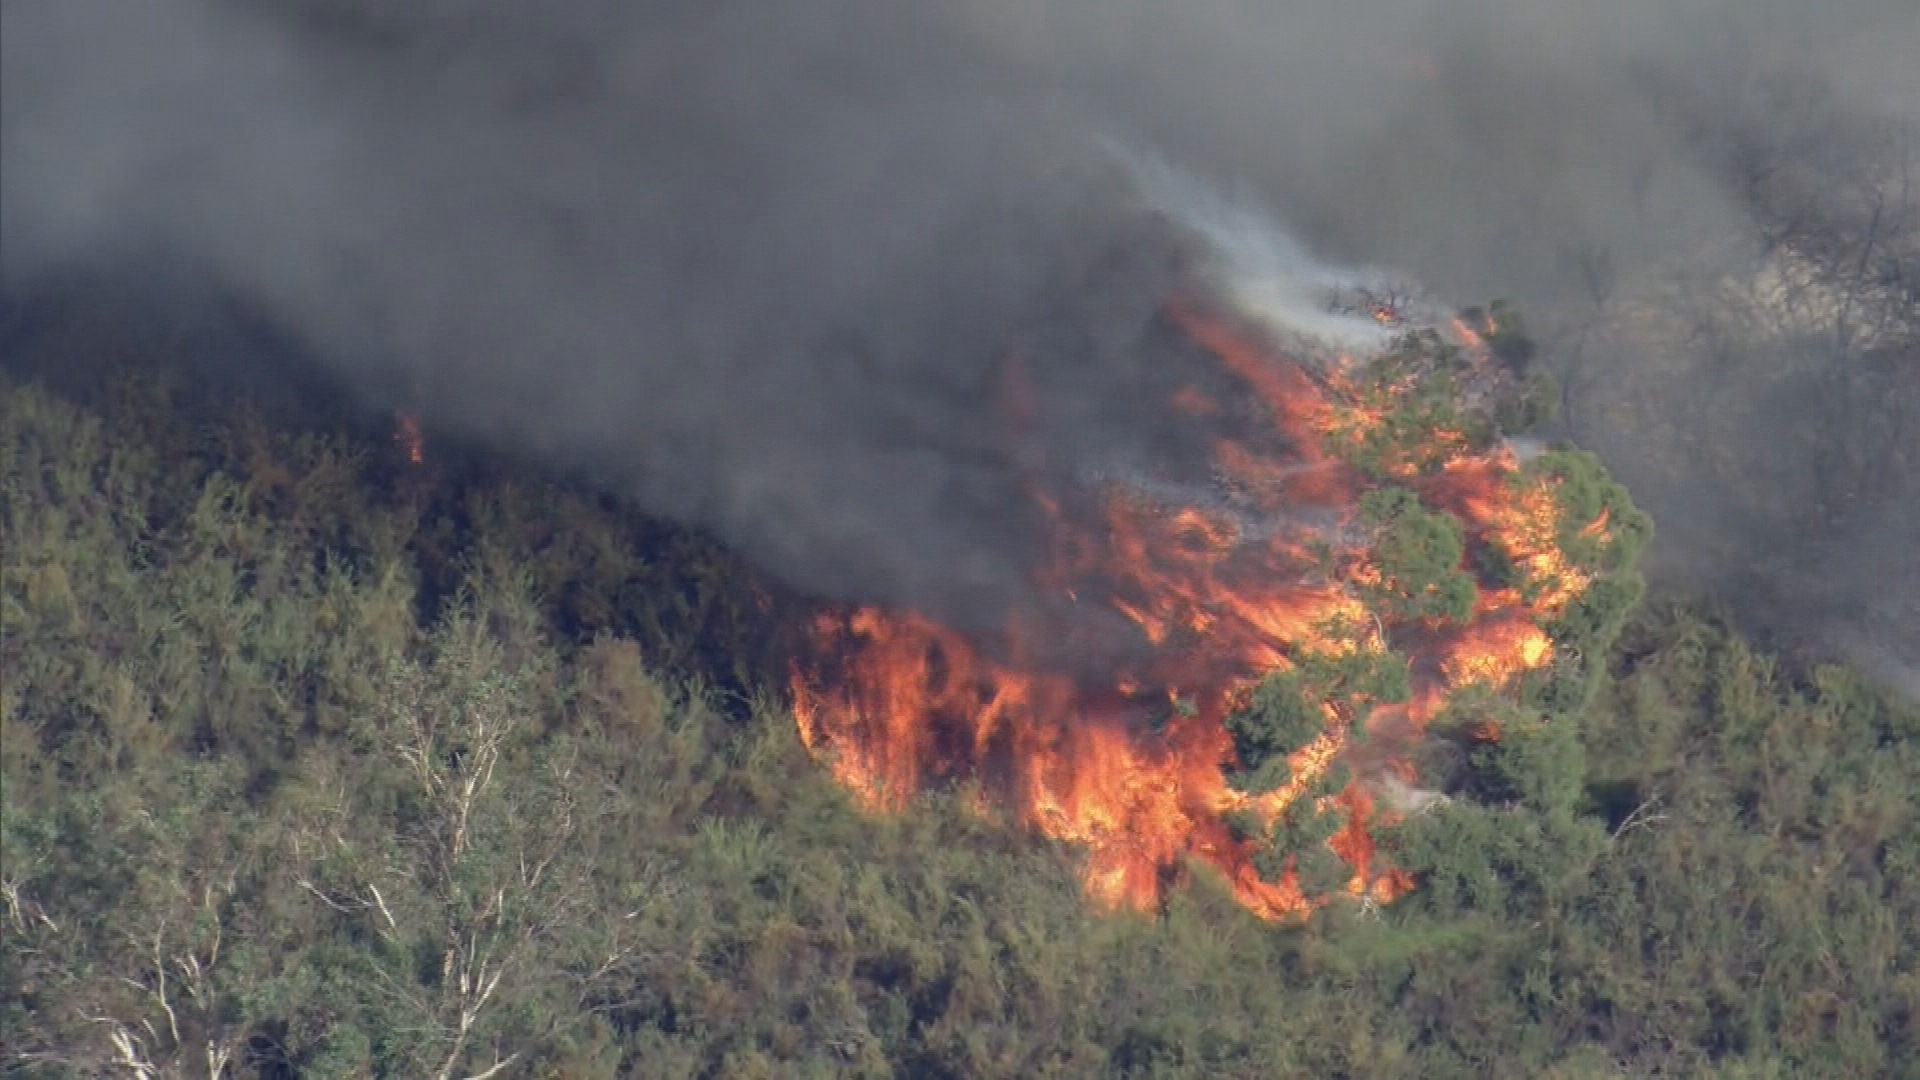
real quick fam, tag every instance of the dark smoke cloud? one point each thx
(762, 262)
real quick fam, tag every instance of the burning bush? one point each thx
(1369, 554)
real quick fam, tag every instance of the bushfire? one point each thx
(407, 437)
(1375, 549)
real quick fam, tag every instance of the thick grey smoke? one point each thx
(764, 263)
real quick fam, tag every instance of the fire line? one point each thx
(1137, 766)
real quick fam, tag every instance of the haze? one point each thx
(757, 263)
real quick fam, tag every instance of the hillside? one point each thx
(319, 764)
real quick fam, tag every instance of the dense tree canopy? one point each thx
(315, 765)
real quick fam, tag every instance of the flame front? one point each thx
(1137, 765)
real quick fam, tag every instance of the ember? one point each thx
(406, 436)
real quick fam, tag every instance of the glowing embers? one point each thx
(408, 439)
(1138, 761)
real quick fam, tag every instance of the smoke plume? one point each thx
(765, 266)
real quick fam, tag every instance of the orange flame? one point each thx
(406, 436)
(1136, 765)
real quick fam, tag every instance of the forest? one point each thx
(353, 726)
(318, 763)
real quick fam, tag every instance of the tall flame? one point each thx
(1138, 765)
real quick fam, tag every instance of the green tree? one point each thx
(1418, 553)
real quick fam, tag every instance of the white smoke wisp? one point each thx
(1258, 266)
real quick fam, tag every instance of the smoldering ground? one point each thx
(762, 264)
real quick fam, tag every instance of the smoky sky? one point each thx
(762, 264)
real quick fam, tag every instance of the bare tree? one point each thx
(474, 858)
(165, 985)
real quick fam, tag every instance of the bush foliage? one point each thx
(316, 766)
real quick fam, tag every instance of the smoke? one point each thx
(1259, 268)
(764, 265)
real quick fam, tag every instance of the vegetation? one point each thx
(1552, 540)
(317, 766)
